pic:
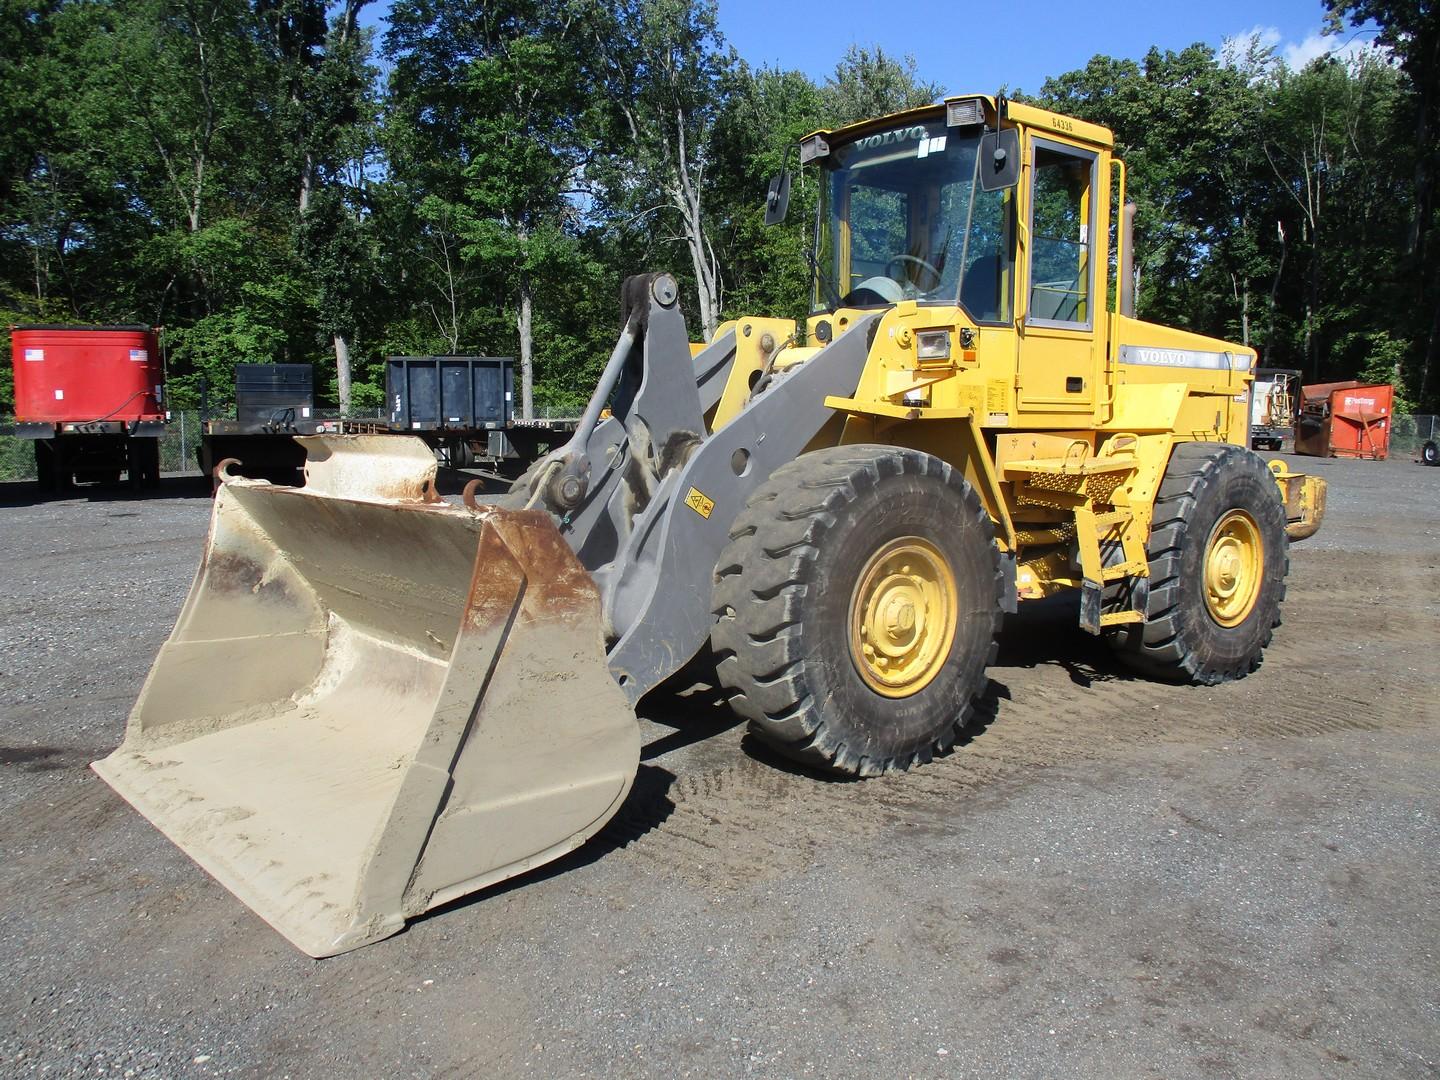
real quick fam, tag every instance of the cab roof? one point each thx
(999, 111)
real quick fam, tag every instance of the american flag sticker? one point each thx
(34, 354)
(139, 355)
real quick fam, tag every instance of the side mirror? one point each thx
(1000, 160)
(777, 199)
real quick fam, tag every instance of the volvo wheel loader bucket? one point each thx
(374, 702)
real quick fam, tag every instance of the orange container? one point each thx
(1345, 419)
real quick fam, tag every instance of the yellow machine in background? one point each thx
(375, 701)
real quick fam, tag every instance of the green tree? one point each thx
(1410, 31)
(511, 108)
(661, 66)
(765, 113)
(868, 83)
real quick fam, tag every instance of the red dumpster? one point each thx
(92, 399)
(1345, 419)
(86, 375)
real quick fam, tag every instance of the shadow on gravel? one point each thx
(42, 759)
(28, 492)
(1048, 632)
(646, 807)
(692, 703)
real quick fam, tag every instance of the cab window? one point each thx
(1061, 231)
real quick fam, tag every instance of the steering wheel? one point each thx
(921, 263)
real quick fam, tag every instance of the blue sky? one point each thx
(980, 47)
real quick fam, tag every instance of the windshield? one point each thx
(902, 217)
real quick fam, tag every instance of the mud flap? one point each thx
(374, 702)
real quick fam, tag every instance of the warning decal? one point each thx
(699, 502)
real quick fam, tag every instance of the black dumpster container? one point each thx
(449, 393)
(268, 394)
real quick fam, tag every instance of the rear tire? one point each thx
(1430, 453)
(1218, 559)
(844, 552)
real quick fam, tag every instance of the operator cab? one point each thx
(923, 206)
(903, 217)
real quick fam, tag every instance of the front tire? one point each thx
(857, 604)
(1218, 559)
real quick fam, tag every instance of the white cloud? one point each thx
(1316, 45)
(1295, 55)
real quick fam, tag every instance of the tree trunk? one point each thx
(1243, 298)
(1432, 343)
(705, 285)
(342, 373)
(1419, 220)
(527, 357)
(686, 197)
(1274, 292)
(307, 181)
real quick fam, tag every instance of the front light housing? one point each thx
(932, 345)
(813, 147)
(964, 113)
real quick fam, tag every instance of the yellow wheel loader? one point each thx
(375, 701)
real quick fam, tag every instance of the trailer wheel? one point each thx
(44, 465)
(1218, 559)
(149, 461)
(858, 602)
(1430, 453)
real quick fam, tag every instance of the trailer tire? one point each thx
(1218, 558)
(857, 606)
(1430, 453)
(150, 463)
(44, 465)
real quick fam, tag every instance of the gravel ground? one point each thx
(1111, 878)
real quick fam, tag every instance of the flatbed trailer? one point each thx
(459, 406)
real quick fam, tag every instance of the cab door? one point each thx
(1059, 368)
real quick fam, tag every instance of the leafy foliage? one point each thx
(271, 182)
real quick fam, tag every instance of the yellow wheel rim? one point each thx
(1234, 568)
(902, 617)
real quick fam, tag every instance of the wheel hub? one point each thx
(1234, 568)
(902, 617)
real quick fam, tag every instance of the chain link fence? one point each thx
(1410, 431)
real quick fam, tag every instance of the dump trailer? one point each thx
(1345, 419)
(91, 398)
(375, 701)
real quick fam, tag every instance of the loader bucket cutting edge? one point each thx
(369, 708)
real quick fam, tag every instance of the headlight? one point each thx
(932, 345)
(813, 147)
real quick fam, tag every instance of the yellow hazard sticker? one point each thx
(701, 503)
